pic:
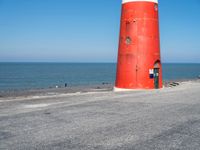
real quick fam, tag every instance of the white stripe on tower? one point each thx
(126, 1)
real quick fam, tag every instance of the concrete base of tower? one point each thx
(116, 89)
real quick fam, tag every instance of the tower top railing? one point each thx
(126, 1)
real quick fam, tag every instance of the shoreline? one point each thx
(55, 91)
(75, 89)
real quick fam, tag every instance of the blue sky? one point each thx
(88, 30)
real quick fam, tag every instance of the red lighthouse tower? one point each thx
(139, 61)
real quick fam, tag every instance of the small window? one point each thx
(128, 40)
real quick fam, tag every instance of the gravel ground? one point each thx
(163, 119)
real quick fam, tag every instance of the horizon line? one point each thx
(89, 62)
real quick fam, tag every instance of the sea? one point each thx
(26, 76)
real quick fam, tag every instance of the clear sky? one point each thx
(88, 30)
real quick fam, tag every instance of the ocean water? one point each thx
(22, 76)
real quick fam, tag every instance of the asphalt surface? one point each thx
(167, 119)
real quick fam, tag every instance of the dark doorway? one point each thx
(156, 78)
(156, 74)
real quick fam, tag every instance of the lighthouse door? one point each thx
(156, 78)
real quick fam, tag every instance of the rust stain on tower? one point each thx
(139, 61)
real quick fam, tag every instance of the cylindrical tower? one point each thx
(139, 61)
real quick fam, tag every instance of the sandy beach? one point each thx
(101, 119)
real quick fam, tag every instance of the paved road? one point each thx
(166, 119)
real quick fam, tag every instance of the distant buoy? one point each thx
(139, 61)
(66, 85)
